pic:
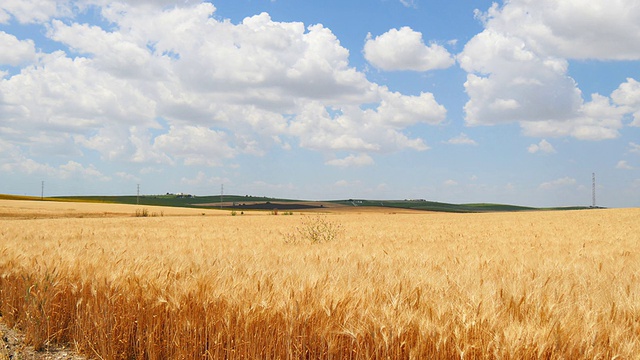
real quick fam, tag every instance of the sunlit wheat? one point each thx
(511, 286)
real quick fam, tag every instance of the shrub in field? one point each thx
(142, 212)
(315, 230)
(145, 213)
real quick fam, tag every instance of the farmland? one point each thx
(265, 203)
(194, 283)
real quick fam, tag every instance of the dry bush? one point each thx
(314, 230)
(512, 286)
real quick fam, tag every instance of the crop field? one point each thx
(192, 284)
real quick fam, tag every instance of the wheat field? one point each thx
(387, 286)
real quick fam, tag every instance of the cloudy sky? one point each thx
(457, 101)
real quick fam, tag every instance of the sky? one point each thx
(467, 101)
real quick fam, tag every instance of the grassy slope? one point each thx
(174, 200)
(171, 200)
(445, 207)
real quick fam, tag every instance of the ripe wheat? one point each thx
(510, 286)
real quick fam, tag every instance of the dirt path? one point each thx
(12, 347)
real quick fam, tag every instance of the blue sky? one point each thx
(455, 101)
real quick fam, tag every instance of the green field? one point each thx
(228, 201)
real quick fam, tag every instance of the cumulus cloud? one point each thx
(34, 11)
(623, 165)
(195, 145)
(558, 183)
(71, 95)
(404, 49)
(74, 168)
(543, 146)
(352, 160)
(462, 139)
(176, 85)
(507, 82)
(628, 95)
(595, 120)
(14, 160)
(369, 130)
(566, 28)
(40, 11)
(518, 68)
(15, 52)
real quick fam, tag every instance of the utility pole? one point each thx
(221, 195)
(138, 196)
(593, 190)
(42, 191)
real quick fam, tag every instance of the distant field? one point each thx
(240, 203)
(541, 284)
(61, 209)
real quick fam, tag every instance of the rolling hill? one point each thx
(265, 203)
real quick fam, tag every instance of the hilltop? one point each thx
(247, 202)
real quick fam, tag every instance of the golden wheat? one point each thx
(517, 285)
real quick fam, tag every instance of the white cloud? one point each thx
(15, 52)
(543, 146)
(195, 145)
(518, 68)
(568, 28)
(596, 120)
(70, 95)
(404, 49)
(450, 183)
(40, 11)
(34, 11)
(409, 3)
(462, 139)
(114, 52)
(352, 160)
(112, 142)
(628, 94)
(369, 130)
(401, 110)
(175, 85)
(150, 170)
(201, 179)
(623, 165)
(13, 160)
(72, 168)
(558, 183)
(4, 16)
(127, 177)
(507, 82)
(634, 148)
